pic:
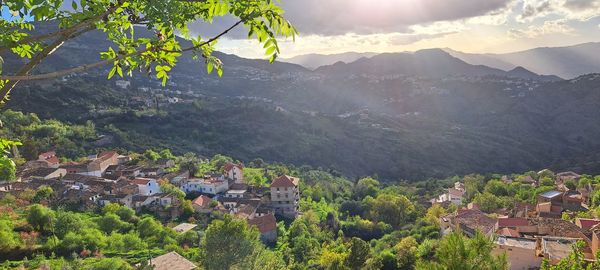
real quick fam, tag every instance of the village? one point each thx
(529, 233)
(107, 178)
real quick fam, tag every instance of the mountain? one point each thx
(400, 116)
(565, 62)
(313, 61)
(430, 63)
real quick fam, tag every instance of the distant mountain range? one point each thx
(434, 63)
(565, 62)
(313, 61)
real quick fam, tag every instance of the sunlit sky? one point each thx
(478, 26)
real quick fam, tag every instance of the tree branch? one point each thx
(56, 74)
(37, 59)
(82, 24)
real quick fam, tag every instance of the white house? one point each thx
(234, 172)
(147, 186)
(207, 186)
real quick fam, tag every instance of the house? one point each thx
(511, 223)
(165, 163)
(123, 199)
(267, 226)
(453, 195)
(528, 180)
(586, 223)
(550, 196)
(555, 249)
(203, 204)
(469, 222)
(285, 195)
(123, 84)
(563, 177)
(234, 172)
(520, 252)
(95, 166)
(171, 261)
(211, 186)
(236, 194)
(40, 173)
(50, 159)
(572, 200)
(150, 172)
(184, 227)
(146, 186)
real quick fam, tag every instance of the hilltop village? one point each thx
(172, 212)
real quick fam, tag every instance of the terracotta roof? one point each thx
(37, 172)
(585, 223)
(140, 181)
(203, 201)
(108, 154)
(508, 232)
(455, 192)
(285, 181)
(476, 220)
(512, 222)
(172, 261)
(265, 223)
(229, 166)
(47, 155)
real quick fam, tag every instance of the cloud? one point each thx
(580, 10)
(338, 17)
(406, 39)
(548, 27)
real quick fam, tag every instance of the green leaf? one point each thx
(209, 67)
(74, 4)
(220, 72)
(112, 72)
(120, 71)
(270, 50)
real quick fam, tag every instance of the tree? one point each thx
(8, 238)
(395, 210)
(434, 213)
(366, 187)
(148, 227)
(359, 253)
(67, 222)
(42, 194)
(40, 217)
(406, 252)
(227, 243)
(190, 162)
(159, 52)
(111, 222)
(8, 169)
(455, 251)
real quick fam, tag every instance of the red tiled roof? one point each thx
(203, 201)
(107, 154)
(587, 223)
(285, 181)
(512, 222)
(508, 232)
(265, 223)
(139, 181)
(47, 155)
(230, 166)
(52, 160)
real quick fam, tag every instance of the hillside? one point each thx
(313, 61)
(401, 116)
(566, 62)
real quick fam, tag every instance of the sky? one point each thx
(476, 26)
